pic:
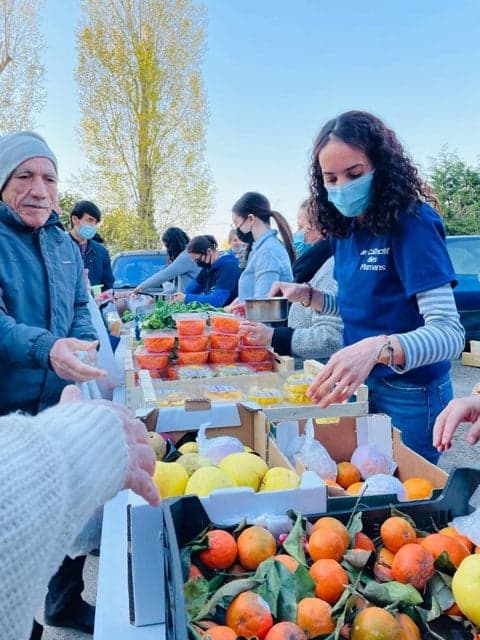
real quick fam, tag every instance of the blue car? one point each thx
(132, 267)
(465, 255)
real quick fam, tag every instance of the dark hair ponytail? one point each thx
(259, 206)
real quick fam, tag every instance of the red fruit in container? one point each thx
(223, 356)
(192, 357)
(253, 354)
(193, 343)
(147, 360)
(190, 324)
(224, 323)
(158, 341)
(223, 340)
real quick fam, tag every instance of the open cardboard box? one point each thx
(342, 435)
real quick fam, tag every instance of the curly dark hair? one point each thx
(175, 241)
(396, 188)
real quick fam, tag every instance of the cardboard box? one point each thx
(340, 437)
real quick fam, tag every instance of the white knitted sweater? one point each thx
(55, 470)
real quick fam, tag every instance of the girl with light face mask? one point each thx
(394, 275)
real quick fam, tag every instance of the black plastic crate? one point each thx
(185, 518)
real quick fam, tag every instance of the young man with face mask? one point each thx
(84, 219)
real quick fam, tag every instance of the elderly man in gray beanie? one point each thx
(44, 319)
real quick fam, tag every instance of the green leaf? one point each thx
(392, 592)
(229, 590)
(196, 593)
(354, 524)
(293, 544)
(277, 589)
(441, 591)
(304, 583)
(444, 564)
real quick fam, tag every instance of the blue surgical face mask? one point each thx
(87, 231)
(299, 242)
(352, 198)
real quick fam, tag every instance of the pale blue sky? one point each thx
(276, 70)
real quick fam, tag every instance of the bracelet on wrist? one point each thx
(310, 296)
(386, 346)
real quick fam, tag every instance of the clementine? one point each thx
(413, 564)
(437, 543)
(249, 615)
(326, 543)
(451, 531)
(287, 560)
(330, 579)
(354, 489)
(374, 622)
(255, 544)
(221, 552)
(410, 630)
(395, 532)
(219, 632)
(327, 522)
(418, 488)
(362, 541)
(314, 616)
(347, 474)
(286, 631)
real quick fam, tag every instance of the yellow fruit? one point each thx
(245, 469)
(170, 479)
(188, 447)
(206, 479)
(466, 587)
(158, 444)
(278, 478)
(193, 461)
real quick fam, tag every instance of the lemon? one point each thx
(278, 478)
(245, 469)
(170, 479)
(207, 479)
(466, 587)
(188, 447)
(158, 444)
(193, 461)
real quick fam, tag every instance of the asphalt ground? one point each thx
(460, 455)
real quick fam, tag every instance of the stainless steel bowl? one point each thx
(266, 309)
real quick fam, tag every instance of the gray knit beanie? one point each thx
(15, 148)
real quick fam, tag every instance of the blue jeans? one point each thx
(412, 407)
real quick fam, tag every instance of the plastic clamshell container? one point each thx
(190, 324)
(223, 356)
(148, 360)
(247, 340)
(232, 370)
(170, 397)
(223, 340)
(253, 354)
(266, 365)
(225, 392)
(265, 396)
(193, 371)
(192, 357)
(193, 343)
(224, 322)
(158, 340)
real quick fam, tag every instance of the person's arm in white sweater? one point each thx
(55, 470)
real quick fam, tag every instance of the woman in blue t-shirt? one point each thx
(395, 278)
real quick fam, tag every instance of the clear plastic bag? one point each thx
(315, 457)
(215, 449)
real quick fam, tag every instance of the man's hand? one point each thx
(141, 457)
(293, 291)
(68, 366)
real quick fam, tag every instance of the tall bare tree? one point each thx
(144, 111)
(22, 94)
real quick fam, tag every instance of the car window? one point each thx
(465, 254)
(130, 270)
